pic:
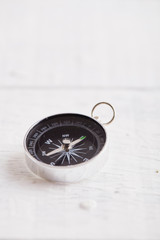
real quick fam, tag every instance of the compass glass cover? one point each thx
(65, 139)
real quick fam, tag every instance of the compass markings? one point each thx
(63, 159)
(73, 158)
(55, 154)
(68, 157)
(60, 142)
(32, 139)
(77, 149)
(49, 141)
(80, 145)
(81, 152)
(75, 154)
(52, 163)
(60, 156)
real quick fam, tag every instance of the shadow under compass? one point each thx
(17, 169)
(18, 173)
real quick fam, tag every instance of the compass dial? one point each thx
(65, 139)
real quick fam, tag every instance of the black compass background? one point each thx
(58, 126)
(87, 147)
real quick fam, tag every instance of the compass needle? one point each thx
(77, 141)
(55, 151)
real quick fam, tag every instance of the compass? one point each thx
(66, 147)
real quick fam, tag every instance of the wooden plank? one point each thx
(80, 43)
(126, 191)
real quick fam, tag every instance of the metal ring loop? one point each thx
(109, 106)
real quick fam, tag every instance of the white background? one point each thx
(65, 56)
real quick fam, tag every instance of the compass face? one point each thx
(65, 139)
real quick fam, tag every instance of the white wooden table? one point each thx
(65, 56)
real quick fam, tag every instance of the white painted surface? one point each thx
(108, 43)
(89, 51)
